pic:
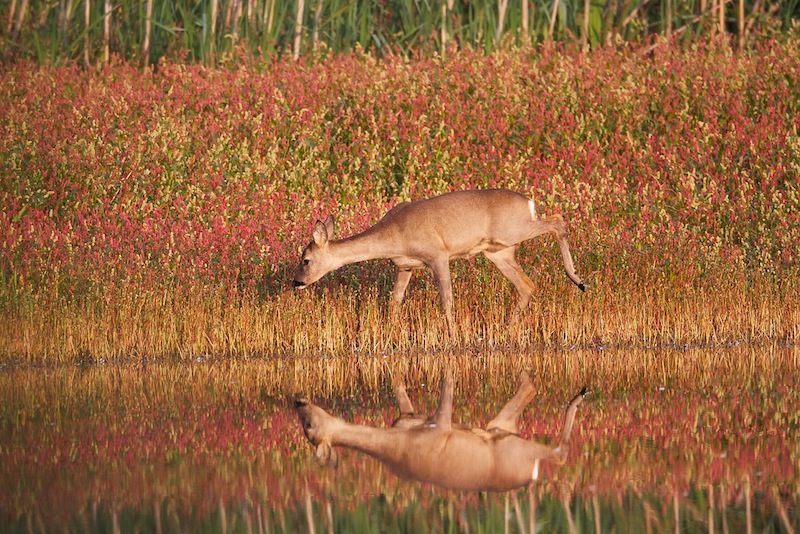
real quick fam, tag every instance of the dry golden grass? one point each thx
(480, 373)
(337, 321)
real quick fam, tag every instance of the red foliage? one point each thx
(677, 164)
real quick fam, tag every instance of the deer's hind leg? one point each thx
(555, 224)
(507, 419)
(505, 261)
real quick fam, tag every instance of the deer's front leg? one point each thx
(400, 284)
(441, 271)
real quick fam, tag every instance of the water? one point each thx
(670, 440)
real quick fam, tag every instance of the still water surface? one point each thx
(690, 440)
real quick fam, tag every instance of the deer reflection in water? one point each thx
(436, 451)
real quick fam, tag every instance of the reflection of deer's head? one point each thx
(317, 426)
(433, 450)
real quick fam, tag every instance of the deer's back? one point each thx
(462, 223)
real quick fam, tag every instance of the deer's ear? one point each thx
(329, 226)
(326, 454)
(321, 235)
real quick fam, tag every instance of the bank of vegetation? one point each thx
(162, 214)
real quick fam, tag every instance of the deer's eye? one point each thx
(306, 261)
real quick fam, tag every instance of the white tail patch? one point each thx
(532, 209)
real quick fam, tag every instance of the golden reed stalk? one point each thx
(339, 321)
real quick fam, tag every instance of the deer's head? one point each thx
(316, 261)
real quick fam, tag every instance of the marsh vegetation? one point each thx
(151, 346)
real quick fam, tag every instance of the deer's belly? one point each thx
(464, 463)
(405, 263)
(469, 251)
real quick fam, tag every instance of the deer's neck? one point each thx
(371, 244)
(385, 444)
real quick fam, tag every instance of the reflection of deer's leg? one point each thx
(506, 420)
(443, 418)
(569, 419)
(406, 408)
(407, 418)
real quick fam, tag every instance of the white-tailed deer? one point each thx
(435, 451)
(429, 233)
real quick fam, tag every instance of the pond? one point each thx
(669, 439)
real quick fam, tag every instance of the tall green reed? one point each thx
(211, 31)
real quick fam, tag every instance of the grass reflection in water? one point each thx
(700, 439)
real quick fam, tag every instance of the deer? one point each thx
(430, 233)
(435, 451)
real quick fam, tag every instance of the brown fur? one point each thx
(430, 233)
(435, 451)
